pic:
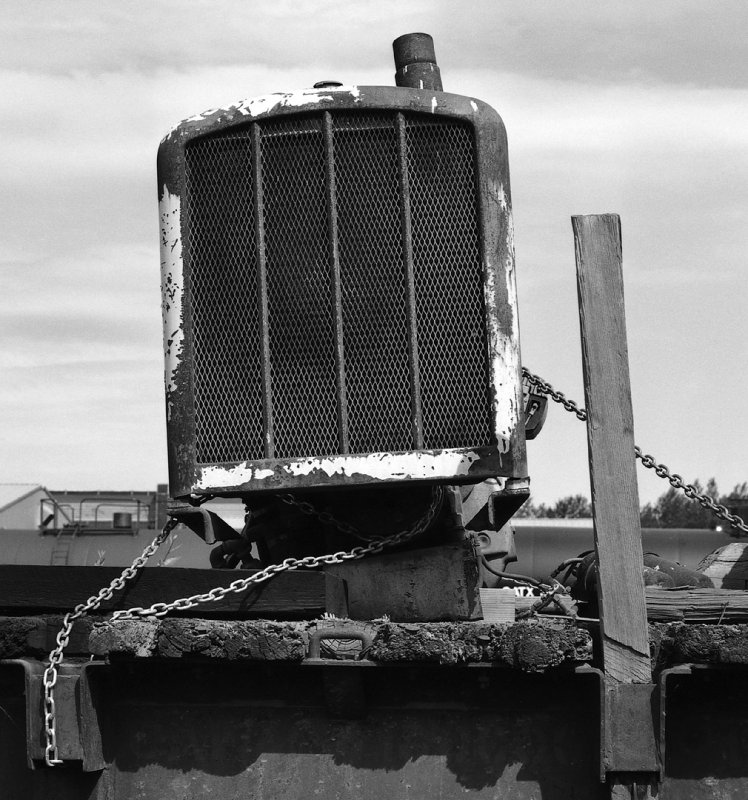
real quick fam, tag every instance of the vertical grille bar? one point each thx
(262, 294)
(332, 224)
(300, 306)
(407, 236)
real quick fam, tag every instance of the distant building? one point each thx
(21, 504)
(86, 528)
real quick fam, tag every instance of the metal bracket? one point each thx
(76, 702)
(206, 524)
(628, 735)
(631, 743)
(679, 671)
(343, 686)
(503, 504)
(536, 411)
(586, 669)
(315, 647)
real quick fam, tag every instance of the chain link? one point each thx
(661, 470)
(559, 397)
(49, 679)
(323, 516)
(373, 547)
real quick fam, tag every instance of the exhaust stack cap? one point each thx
(415, 62)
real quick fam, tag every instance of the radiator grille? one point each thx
(335, 287)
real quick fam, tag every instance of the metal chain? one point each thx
(675, 480)
(49, 679)
(324, 516)
(375, 545)
(559, 397)
(309, 562)
(327, 518)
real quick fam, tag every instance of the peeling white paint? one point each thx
(503, 358)
(264, 104)
(433, 103)
(269, 103)
(172, 284)
(474, 106)
(375, 466)
(219, 476)
(202, 115)
(504, 344)
(503, 200)
(383, 466)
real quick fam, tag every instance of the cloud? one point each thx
(671, 41)
(85, 307)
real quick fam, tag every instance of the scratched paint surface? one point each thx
(504, 343)
(375, 466)
(172, 286)
(266, 104)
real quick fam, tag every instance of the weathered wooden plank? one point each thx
(727, 606)
(526, 646)
(615, 498)
(428, 584)
(610, 434)
(289, 595)
(36, 636)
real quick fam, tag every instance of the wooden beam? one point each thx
(631, 764)
(289, 595)
(610, 435)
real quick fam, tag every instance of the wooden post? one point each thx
(615, 499)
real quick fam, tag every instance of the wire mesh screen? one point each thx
(448, 286)
(222, 244)
(335, 287)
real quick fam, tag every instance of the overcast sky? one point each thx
(638, 108)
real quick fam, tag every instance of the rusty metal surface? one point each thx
(424, 733)
(188, 730)
(705, 733)
(630, 721)
(415, 62)
(77, 709)
(185, 313)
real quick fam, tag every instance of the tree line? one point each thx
(672, 509)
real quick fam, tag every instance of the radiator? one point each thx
(338, 288)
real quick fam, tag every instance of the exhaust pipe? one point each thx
(415, 62)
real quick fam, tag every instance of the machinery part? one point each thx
(393, 358)
(497, 549)
(536, 411)
(415, 62)
(206, 524)
(232, 553)
(582, 576)
(677, 573)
